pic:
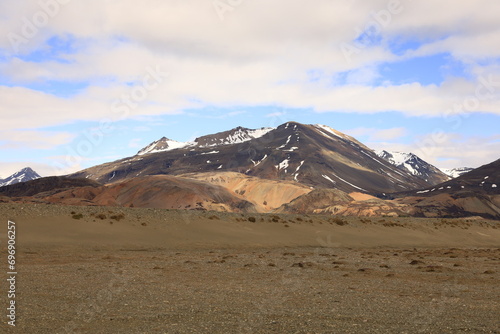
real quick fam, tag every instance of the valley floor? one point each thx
(115, 270)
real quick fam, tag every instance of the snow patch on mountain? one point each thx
(395, 158)
(238, 135)
(325, 130)
(235, 136)
(284, 145)
(456, 172)
(283, 165)
(352, 185)
(255, 164)
(162, 145)
(414, 165)
(328, 178)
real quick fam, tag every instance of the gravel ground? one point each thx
(69, 286)
(281, 290)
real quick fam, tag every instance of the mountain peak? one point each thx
(27, 170)
(456, 172)
(312, 155)
(161, 145)
(234, 136)
(413, 164)
(25, 174)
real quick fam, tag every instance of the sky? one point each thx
(88, 82)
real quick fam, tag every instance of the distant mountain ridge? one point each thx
(456, 172)
(476, 193)
(415, 166)
(24, 175)
(233, 136)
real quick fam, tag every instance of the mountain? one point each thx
(474, 193)
(482, 180)
(162, 145)
(266, 195)
(234, 136)
(45, 185)
(456, 172)
(414, 165)
(313, 155)
(25, 174)
(160, 191)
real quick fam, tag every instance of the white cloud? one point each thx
(10, 139)
(377, 134)
(276, 114)
(222, 116)
(261, 54)
(253, 57)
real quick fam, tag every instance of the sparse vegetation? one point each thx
(77, 216)
(101, 216)
(118, 217)
(338, 221)
(392, 224)
(252, 219)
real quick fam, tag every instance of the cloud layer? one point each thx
(325, 56)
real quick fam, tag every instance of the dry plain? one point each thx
(128, 270)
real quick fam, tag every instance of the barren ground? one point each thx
(115, 270)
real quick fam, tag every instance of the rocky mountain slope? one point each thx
(473, 194)
(312, 155)
(234, 136)
(482, 180)
(159, 191)
(476, 192)
(412, 164)
(266, 195)
(46, 185)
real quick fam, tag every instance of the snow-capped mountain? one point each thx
(162, 145)
(25, 174)
(415, 166)
(456, 172)
(234, 136)
(312, 155)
